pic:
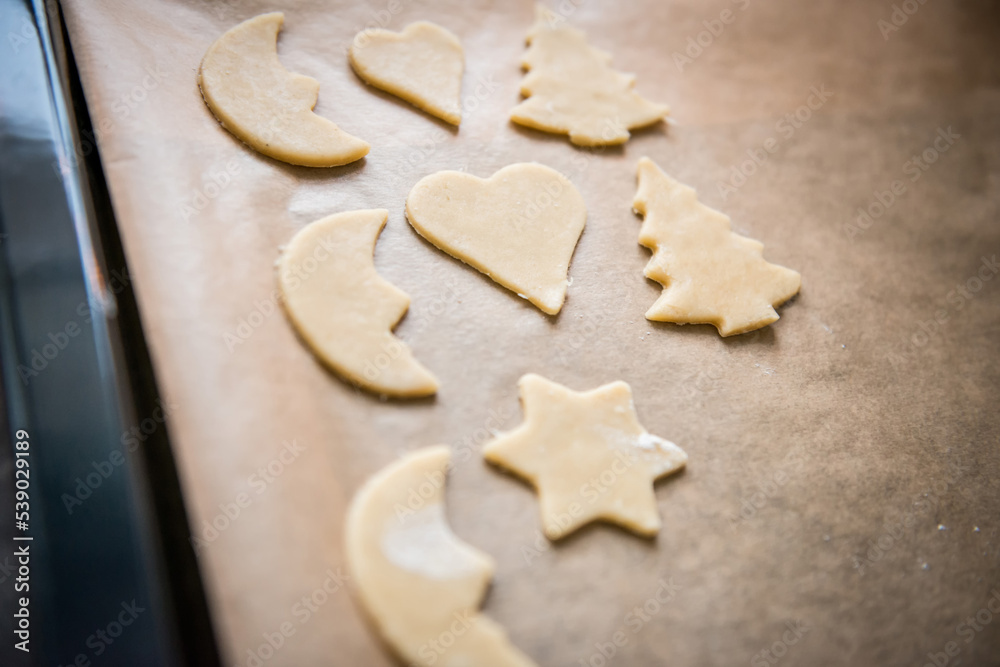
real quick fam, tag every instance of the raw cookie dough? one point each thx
(419, 583)
(265, 105)
(423, 64)
(709, 274)
(571, 88)
(588, 456)
(344, 310)
(519, 227)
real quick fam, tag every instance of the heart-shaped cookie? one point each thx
(519, 227)
(423, 64)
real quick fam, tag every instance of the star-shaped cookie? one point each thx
(588, 456)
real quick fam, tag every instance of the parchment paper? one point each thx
(854, 410)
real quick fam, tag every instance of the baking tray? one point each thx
(109, 577)
(869, 405)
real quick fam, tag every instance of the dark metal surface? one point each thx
(112, 578)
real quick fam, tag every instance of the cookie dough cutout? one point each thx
(709, 274)
(519, 227)
(344, 310)
(423, 65)
(587, 455)
(266, 106)
(572, 89)
(420, 584)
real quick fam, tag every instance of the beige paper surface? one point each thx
(855, 409)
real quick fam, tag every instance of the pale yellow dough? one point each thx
(344, 310)
(423, 64)
(709, 274)
(420, 584)
(519, 227)
(588, 456)
(572, 89)
(265, 105)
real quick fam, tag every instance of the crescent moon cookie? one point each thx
(419, 583)
(423, 65)
(266, 106)
(344, 310)
(710, 275)
(588, 456)
(519, 226)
